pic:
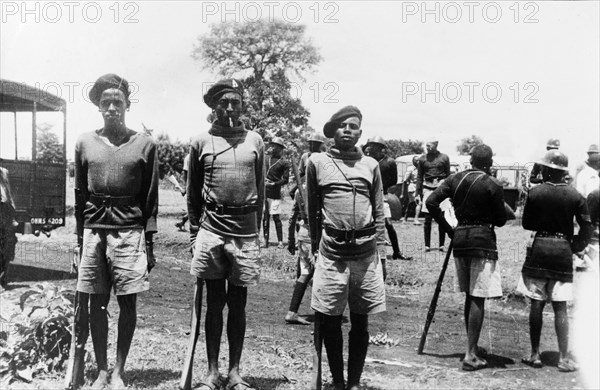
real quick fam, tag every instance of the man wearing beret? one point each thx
(433, 167)
(478, 200)
(225, 194)
(346, 224)
(277, 174)
(116, 182)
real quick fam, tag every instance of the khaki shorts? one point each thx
(305, 264)
(221, 257)
(274, 206)
(478, 277)
(113, 257)
(543, 289)
(387, 212)
(357, 283)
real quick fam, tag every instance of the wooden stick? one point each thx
(186, 373)
(434, 299)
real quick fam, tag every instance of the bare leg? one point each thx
(561, 326)
(99, 330)
(475, 322)
(358, 344)
(334, 345)
(299, 290)
(278, 229)
(427, 230)
(215, 303)
(236, 328)
(126, 328)
(535, 326)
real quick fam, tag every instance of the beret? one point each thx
(220, 88)
(481, 152)
(337, 118)
(108, 81)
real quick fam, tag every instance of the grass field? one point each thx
(278, 356)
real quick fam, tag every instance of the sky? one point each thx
(513, 73)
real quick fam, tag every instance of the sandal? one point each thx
(474, 364)
(532, 362)
(239, 385)
(567, 365)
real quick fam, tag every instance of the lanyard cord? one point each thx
(353, 193)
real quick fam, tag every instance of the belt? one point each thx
(107, 200)
(349, 234)
(222, 209)
(551, 234)
(475, 223)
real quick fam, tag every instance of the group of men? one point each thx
(340, 207)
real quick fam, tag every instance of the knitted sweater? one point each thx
(226, 168)
(331, 202)
(128, 170)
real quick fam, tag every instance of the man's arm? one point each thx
(582, 216)
(81, 192)
(194, 184)
(260, 181)
(149, 190)
(433, 205)
(499, 216)
(446, 160)
(420, 174)
(314, 205)
(377, 205)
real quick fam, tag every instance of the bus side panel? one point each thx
(49, 190)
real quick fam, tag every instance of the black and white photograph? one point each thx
(292, 195)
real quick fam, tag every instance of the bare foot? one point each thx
(101, 382)
(294, 318)
(116, 383)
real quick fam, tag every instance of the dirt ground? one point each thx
(278, 356)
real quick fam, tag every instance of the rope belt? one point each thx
(222, 209)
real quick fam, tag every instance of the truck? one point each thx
(38, 183)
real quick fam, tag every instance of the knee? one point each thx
(359, 322)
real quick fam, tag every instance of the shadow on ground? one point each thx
(25, 273)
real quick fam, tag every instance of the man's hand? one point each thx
(417, 200)
(150, 255)
(291, 249)
(449, 230)
(76, 259)
(193, 233)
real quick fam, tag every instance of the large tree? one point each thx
(264, 55)
(396, 147)
(466, 144)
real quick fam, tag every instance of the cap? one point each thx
(337, 118)
(553, 143)
(376, 140)
(108, 81)
(277, 141)
(221, 88)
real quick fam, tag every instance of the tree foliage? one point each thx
(170, 155)
(466, 144)
(396, 147)
(263, 55)
(48, 146)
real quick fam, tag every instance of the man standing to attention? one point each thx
(345, 201)
(116, 181)
(225, 191)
